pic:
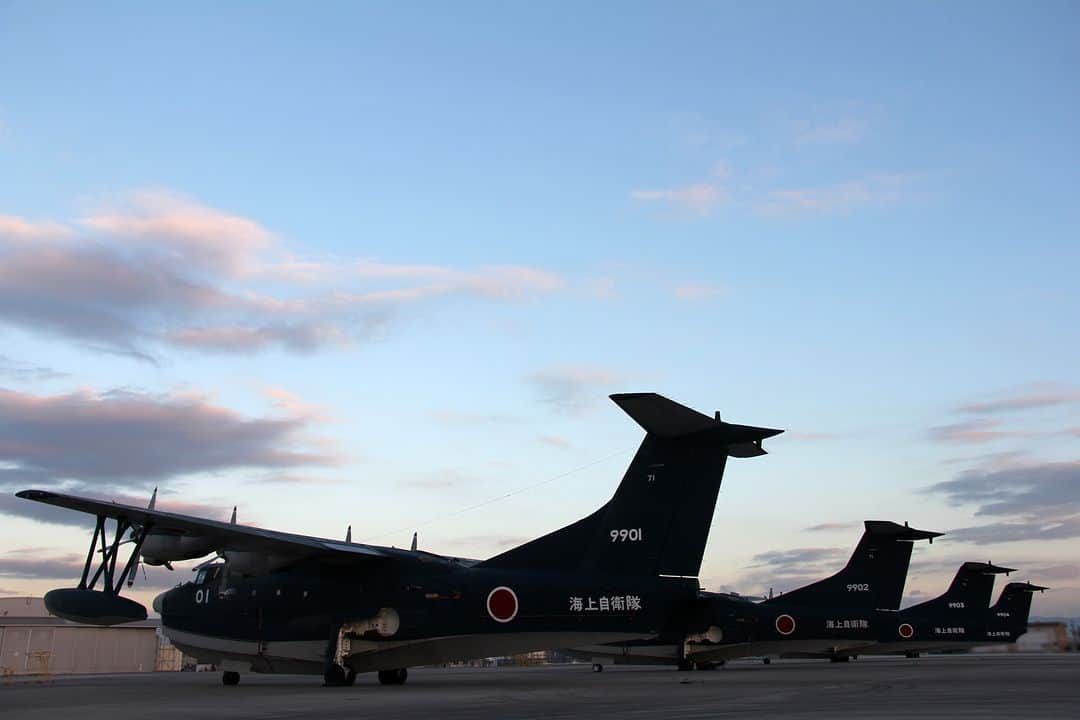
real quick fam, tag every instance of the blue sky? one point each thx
(377, 264)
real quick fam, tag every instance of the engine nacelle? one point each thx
(161, 548)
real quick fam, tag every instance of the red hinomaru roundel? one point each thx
(906, 630)
(502, 604)
(785, 624)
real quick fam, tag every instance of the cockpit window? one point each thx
(207, 574)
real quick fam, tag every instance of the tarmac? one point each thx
(958, 686)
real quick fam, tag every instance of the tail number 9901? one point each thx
(626, 535)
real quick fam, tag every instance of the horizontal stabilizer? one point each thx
(1024, 587)
(896, 531)
(668, 419)
(986, 568)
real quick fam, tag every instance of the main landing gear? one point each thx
(912, 654)
(338, 676)
(597, 667)
(393, 677)
(230, 678)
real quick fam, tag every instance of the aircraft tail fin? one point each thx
(1010, 613)
(873, 578)
(970, 591)
(658, 521)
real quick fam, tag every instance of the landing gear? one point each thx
(912, 654)
(685, 666)
(766, 661)
(839, 658)
(597, 667)
(338, 676)
(393, 677)
(230, 678)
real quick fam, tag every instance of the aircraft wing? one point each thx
(224, 536)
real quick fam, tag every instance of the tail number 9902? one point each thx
(626, 535)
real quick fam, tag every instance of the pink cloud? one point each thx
(696, 291)
(13, 228)
(1042, 395)
(160, 269)
(875, 190)
(973, 432)
(217, 241)
(843, 130)
(700, 199)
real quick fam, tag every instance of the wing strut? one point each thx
(110, 552)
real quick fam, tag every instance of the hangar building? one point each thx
(34, 642)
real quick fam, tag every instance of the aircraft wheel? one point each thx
(597, 667)
(766, 660)
(685, 665)
(335, 676)
(393, 677)
(838, 658)
(230, 678)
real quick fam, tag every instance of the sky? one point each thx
(381, 264)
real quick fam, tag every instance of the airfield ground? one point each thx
(1035, 686)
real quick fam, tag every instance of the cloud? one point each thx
(841, 130)
(26, 372)
(1005, 532)
(784, 570)
(1037, 396)
(973, 432)
(873, 191)
(555, 441)
(159, 270)
(700, 199)
(30, 564)
(573, 389)
(811, 436)
(44, 564)
(798, 558)
(1039, 489)
(823, 527)
(292, 405)
(189, 232)
(135, 440)
(696, 291)
(17, 229)
(1035, 502)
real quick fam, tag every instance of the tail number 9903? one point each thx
(626, 535)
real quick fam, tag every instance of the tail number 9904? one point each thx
(626, 535)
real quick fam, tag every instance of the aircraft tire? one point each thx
(839, 658)
(766, 660)
(685, 665)
(335, 676)
(597, 667)
(393, 677)
(230, 677)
